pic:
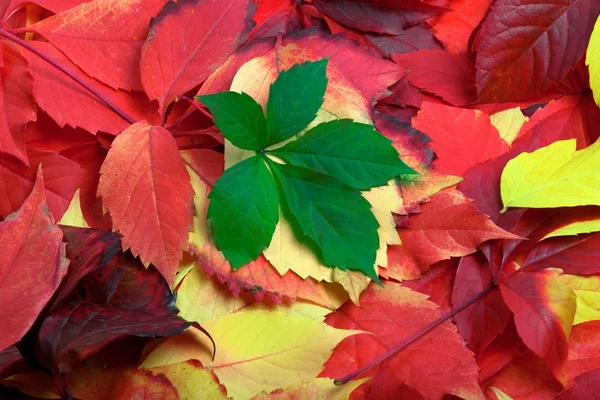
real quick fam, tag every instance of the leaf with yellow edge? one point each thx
(500, 395)
(576, 228)
(508, 123)
(193, 381)
(202, 299)
(553, 176)
(592, 60)
(258, 350)
(315, 389)
(74, 216)
(587, 289)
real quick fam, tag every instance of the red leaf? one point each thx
(544, 309)
(461, 137)
(32, 264)
(45, 134)
(208, 164)
(413, 38)
(62, 178)
(449, 226)
(9, 357)
(447, 75)
(380, 16)
(56, 92)
(143, 174)
(526, 378)
(525, 46)
(436, 283)
(203, 43)
(483, 321)
(455, 27)
(437, 364)
(573, 254)
(583, 349)
(587, 386)
(109, 310)
(103, 38)
(16, 100)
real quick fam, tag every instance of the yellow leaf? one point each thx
(508, 123)
(193, 381)
(257, 350)
(202, 299)
(315, 389)
(576, 228)
(587, 289)
(553, 176)
(500, 395)
(592, 60)
(73, 216)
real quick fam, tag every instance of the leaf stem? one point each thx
(188, 112)
(415, 336)
(55, 63)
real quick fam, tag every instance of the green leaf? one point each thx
(239, 117)
(353, 152)
(294, 99)
(244, 210)
(334, 215)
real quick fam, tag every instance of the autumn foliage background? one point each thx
(112, 288)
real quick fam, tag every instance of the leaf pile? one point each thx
(196, 197)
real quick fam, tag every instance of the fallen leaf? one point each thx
(317, 389)
(156, 185)
(586, 386)
(454, 28)
(508, 123)
(592, 56)
(33, 263)
(587, 290)
(192, 381)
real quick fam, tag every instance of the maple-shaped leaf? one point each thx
(447, 75)
(103, 38)
(520, 47)
(120, 383)
(258, 350)
(54, 92)
(122, 298)
(16, 101)
(155, 185)
(461, 137)
(544, 310)
(435, 365)
(380, 16)
(193, 381)
(317, 389)
(483, 321)
(62, 177)
(32, 264)
(203, 44)
(449, 226)
(454, 28)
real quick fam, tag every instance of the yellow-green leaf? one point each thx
(592, 60)
(257, 350)
(554, 176)
(576, 228)
(315, 389)
(73, 216)
(500, 395)
(193, 381)
(587, 289)
(508, 123)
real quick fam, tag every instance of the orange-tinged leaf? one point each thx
(145, 188)
(461, 137)
(32, 264)
(103, 38)
(314, 389)
(123, 383)
(544, 310)
(192, 381)
(454, 28)
(449, 226)
(258, 350)
(436, 365)
(203, 43)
